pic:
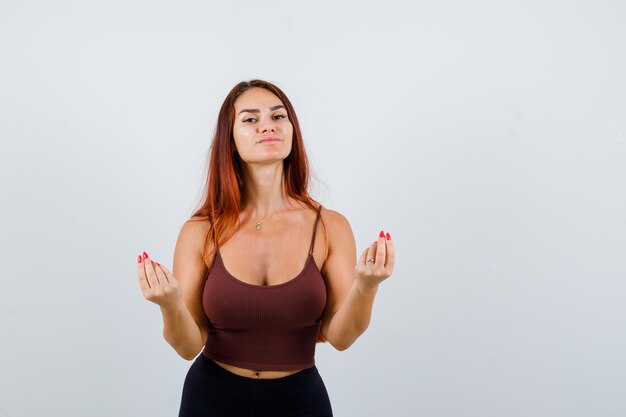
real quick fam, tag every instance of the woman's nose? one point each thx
(267, 127)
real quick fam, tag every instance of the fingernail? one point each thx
(381, 234)
(145, 255)
(139, 259)
(376, 243)
(158, 264)
(388, 236)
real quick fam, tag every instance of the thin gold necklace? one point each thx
(258, 225)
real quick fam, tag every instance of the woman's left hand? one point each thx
(376, 262)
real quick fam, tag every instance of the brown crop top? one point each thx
(264, 327)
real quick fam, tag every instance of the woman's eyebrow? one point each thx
(258, 111)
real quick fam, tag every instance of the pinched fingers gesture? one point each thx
(157, 283)
(376, 262)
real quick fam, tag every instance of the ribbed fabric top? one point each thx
(264, 327)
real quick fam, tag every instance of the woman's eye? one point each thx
(250, 119)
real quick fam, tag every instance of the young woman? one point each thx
(239, 299)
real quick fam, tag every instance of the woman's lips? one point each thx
(270, 140)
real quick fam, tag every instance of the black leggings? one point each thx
(212, 391)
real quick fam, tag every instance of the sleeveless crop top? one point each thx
(264, 327)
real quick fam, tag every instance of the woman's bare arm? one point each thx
(185, 326)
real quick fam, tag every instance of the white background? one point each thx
(487, 137)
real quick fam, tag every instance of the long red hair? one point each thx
(224, 193)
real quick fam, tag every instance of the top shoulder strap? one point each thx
(315, 229)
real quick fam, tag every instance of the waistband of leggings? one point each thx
(303, 376)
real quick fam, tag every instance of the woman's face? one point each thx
(262, 130)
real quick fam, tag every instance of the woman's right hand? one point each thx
(157, 283)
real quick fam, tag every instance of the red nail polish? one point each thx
(376, 243)
(139, 259)
(388, 236)
(382, 234)
(145, 255)
(158, 263)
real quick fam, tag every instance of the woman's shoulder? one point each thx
(198, 227)
(199, 224)
(199, 220)
(333, 217)
(337, 229)
(338, 233)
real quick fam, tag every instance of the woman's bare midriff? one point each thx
(255, 374)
